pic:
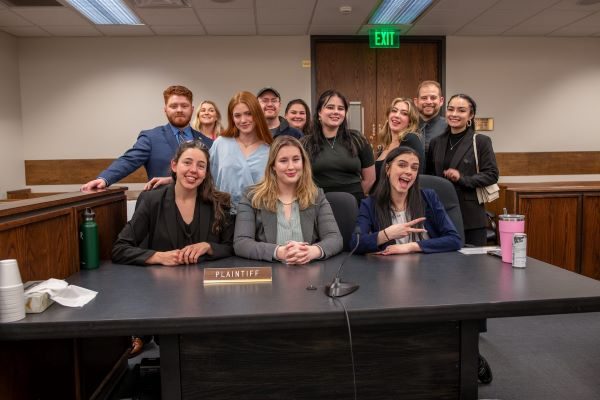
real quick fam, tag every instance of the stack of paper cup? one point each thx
(12, 299)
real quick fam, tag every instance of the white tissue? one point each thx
(63, 293)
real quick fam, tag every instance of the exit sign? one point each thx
(384, 38)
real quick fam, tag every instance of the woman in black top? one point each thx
(452, 156)
(342, 159)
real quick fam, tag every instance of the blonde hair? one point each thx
(265, 193)
(218, 128)
(250, 100)
(385, 134)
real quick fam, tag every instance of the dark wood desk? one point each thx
(414, 323)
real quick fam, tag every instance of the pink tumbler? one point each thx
(508, 225)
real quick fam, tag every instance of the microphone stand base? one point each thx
(340, 289)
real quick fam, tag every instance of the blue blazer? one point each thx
(153, 149)
(442, 233)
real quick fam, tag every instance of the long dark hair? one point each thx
(383, 197)
(351, 140)
(221, 201)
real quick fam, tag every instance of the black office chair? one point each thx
(447, 194)
(345, 211)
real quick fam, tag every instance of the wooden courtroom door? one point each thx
(374, 76)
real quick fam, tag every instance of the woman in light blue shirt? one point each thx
(239, 155)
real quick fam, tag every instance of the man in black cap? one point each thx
(270, 102)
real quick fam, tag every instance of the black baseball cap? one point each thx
(267, 89)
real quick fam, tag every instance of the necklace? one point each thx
(330, 143)
(287, 204)
(247, 145)
(452, 146)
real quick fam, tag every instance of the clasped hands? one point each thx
(297, 252)
(398, 231)
(452, 174)
(188, 255)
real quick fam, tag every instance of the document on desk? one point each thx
(477, 250)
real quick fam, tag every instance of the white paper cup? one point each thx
(12, 303)
(9, 273)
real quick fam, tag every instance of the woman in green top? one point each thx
(342, 159)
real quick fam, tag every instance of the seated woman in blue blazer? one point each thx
(182, 222)
(285, 217)
(401, 218)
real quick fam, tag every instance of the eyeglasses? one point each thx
(267, 101)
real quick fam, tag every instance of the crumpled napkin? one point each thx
(63, 293)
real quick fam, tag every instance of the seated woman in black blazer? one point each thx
(180, 223)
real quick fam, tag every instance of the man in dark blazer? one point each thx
(155, 148)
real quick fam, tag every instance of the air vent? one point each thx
(33, 3)
(161, 3)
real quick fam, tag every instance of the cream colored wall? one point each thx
(11, 139)
(90, 97)
(543, 93)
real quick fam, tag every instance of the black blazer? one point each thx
(153, 227)
(473, 213)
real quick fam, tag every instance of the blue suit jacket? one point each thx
(442, 233)
(153, 149)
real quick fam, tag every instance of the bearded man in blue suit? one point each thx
(155, 148)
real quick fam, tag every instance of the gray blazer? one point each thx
(255, 234)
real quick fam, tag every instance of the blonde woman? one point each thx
(208, 120)
(285, 217)
(400, 129)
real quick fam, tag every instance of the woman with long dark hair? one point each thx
(452, 156)
(286, 217)
(182, 222)
(342, 159)
(400, 217)
(297, 115)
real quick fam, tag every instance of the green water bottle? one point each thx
(88, 241)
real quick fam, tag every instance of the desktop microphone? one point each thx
(337, 288)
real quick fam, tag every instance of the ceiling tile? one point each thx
(285, 4)
(546, 22)
(168, 16)
(45, 16)
(226, 17)
(433, 30)
(9, 18)
(279, 16)
(231, 30)
(170, 30)
(217, 4)
(327, 12)
(25, 31)
(572, 5)
(471, 30)
(125, 30)
(282, 30)
(584, 27)
(83, 30)
(334, 29)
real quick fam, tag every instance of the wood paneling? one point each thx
(590, 249)
(549, 163)
(351, 69)
(552, 225)
(416, 361)
(71, 172)
(42, 233)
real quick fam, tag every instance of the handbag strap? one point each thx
(475, 151)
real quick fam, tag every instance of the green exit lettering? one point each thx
(383, 38)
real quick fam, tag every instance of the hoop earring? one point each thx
(469, 123)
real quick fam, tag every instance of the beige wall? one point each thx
(11, 139)
(542, 93)
(89, 97)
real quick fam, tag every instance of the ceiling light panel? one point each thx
(399, 11)
(106, 12)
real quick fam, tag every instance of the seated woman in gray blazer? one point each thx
(285, 217)
(180, 223)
